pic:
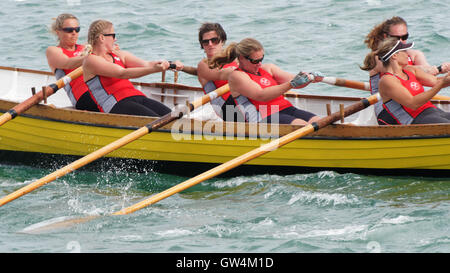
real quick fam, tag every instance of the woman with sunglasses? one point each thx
(263, 84)
(66, 57)
(396, 27)
(404, 99)
(107, 72)
(212, 37)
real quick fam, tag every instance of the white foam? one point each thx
(400, 220)
(323, 199)
(174, 232)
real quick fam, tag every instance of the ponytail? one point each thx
(244, 48)
(225, 57)
(370, 61)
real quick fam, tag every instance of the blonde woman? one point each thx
(107, 72)
(405, 100)
(66, 57)
(263, 84)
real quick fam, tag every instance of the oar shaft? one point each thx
(75, 165)
(38, 97)
(175, 114)
(363, 85)
(347, 83)
(271, 146)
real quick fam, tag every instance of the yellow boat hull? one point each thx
(28, 134)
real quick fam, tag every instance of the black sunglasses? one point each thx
(71, 29)
(254, 61)
(402, 37)
(113, 35)
(214, 41)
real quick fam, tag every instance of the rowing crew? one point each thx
(256, 88)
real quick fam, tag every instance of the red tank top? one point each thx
(265, 108)
(414, 87)
(108, 91)
(78, 85)
(220, 83)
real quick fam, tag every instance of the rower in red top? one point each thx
(264, 84)
(212, 37)
(396, 27)
(107, 70)
(401, 87)
(66, 57)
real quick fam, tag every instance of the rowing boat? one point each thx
(187, 146)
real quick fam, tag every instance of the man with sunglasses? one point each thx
(66, 57)
(212, 37)
(396, 27)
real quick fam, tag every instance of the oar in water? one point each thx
(271, 146)
(38, 97)
(176, 113)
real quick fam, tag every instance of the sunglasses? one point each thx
(71, 29)
(113, 35)
(253, 61)
(214, 41)
(402, 37)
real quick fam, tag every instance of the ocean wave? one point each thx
(347, 232)
(401, 219)
(323, 199)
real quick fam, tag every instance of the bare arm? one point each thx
(421, 62)
(95, 65)
(391, 88)
(277, 73)
(205, 74)
(240, 83)
(57, 59)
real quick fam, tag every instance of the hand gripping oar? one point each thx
(38, 97)
(176, 113)
(271, 146)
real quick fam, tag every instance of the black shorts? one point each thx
(140, 106)
(432, 115)
(286, 116)
(85, 102)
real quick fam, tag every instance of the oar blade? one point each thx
(58, 223)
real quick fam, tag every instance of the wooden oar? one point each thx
(362, 85)
(176, 113)
(347, 83)
(38, 97)
(271, 146)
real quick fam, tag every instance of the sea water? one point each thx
(268, 213)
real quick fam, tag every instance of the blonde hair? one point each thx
(244, 48)
(59, 22)
(384, 47)
(96, 29)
